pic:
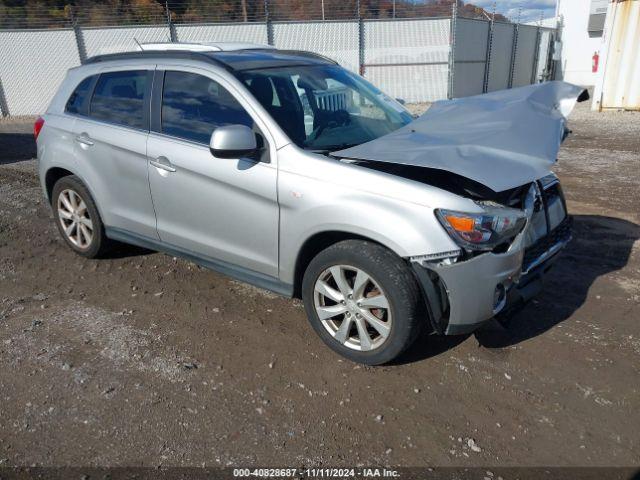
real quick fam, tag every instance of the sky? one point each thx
(531, 9)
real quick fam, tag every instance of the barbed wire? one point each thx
(37, 16)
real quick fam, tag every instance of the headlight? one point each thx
(483, 231)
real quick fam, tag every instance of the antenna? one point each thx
(138, 43)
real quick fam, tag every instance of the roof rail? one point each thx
(214, 57)
(173, 46)
(184, 54)
(203, 46)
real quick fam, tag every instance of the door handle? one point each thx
(84, 139)
(162, 163)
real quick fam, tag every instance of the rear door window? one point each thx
(119, 98)
(193, 106)
(76, 102)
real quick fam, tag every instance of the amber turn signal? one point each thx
(460, 224)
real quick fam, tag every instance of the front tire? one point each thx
(363, 301)
(77, 218)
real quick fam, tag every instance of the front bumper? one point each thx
(474, 291)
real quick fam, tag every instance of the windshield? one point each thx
(325, 107)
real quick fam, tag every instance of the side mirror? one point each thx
(233, 141)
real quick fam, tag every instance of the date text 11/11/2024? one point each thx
(316, 472)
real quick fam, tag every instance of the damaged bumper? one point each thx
(476, 289)
(462, 295)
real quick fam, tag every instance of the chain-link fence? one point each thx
(489, 56)
(34, 15)
(414, 59)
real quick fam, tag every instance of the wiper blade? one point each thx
(343, 146)
(333, 148)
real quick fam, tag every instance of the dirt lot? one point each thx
(144, 359)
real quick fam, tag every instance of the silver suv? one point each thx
(286, 171)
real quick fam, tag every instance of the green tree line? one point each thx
(57, 13)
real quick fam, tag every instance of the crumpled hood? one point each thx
(501, 139)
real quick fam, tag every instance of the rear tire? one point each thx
(363, 301)
(77, 218)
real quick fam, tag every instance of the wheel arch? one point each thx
(52, 176)
(318, 242)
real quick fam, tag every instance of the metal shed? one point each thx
(618, 83)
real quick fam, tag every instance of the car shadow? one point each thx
(16, 147)
(600, 245)
(635, 475)
(125, 250)
(427, 346)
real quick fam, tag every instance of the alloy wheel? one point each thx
(75, 219)
(352, 307)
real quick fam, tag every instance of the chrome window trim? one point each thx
(106, 123)
(204, 146)
(166, 136)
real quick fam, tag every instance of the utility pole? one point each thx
(82, 48)
(360, 40)
(452, 50)
(243, 4)
(487, 61)
(267, 20)
(173, 36)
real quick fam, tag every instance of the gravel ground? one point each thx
(144, 359)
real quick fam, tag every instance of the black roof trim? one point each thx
(178, 54)
(305, 53)
(231, 60)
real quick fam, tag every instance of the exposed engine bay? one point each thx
(451, 182)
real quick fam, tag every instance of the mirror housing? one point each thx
(233, 141)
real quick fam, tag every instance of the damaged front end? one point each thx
(470, 286)
(496, 149)
(500, 140)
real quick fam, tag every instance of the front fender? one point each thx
(406, 228)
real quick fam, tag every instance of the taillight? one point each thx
(37, 127)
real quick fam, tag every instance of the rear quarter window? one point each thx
(76, 101)
(119, 98)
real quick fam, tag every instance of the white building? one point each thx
(582, 23)
(600, 48)
(618, 80)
